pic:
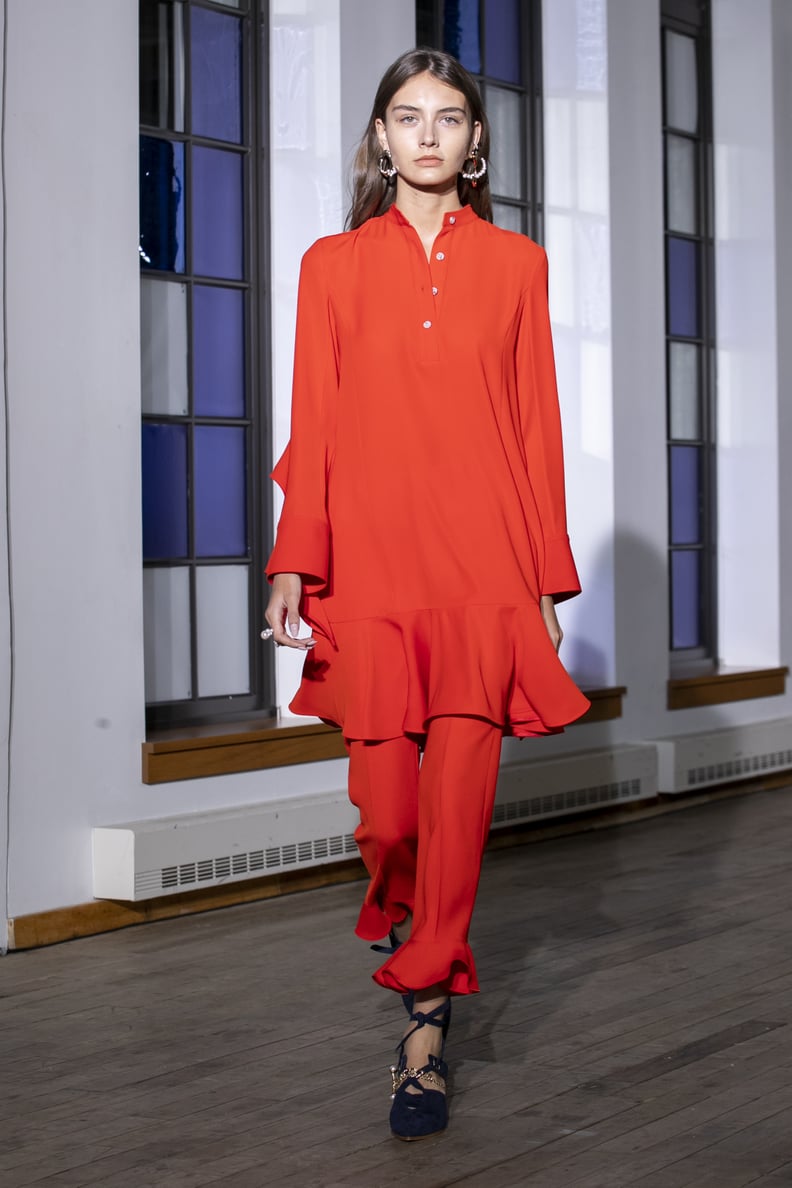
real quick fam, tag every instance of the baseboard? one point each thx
(88, 919)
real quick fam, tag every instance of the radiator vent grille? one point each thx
(576, 799)
(226, 867)
(732, 769)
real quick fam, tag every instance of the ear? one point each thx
(381, 135)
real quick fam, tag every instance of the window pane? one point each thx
(161, 205)
(508, 217)
(508, 146)
(683, 288)
(220, 472)
(684, 383)
(163, 346)
(685, 483)
(164, 491)
(216, 75)
(502, 39)
(461, 32)
(685, 599)
(162, 65)
(217, 213)
(218, 352)
(166, 624)
(681, 185)
(681, 82)
(223, 629)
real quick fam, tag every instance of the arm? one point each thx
(540, 421)
(302, 544)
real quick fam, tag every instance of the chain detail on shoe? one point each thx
(400, 1075)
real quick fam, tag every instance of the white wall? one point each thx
(5, 616)
(782, 101)
(747, 373)
(577, 237)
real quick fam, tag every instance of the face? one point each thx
(428, 133)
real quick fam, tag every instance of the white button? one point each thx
(440, 256)
(427, 325)
(452, 219)
(434, 290)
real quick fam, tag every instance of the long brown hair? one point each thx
(372, 193)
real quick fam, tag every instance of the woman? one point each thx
(423, 535)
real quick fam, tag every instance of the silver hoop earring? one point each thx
(386, 166)
(478, 167)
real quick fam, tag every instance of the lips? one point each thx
(429, 161)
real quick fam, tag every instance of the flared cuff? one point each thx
(560, 577)
(420, 964)
(302, 546)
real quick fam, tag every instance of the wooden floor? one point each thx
(635, 1027)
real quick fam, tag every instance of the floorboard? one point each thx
(635, 1028)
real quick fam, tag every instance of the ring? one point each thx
(266, 633)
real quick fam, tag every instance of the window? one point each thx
(499, 41)
(204, 386)
(690, 331)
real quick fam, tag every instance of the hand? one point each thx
(283, 612)
(547, 607)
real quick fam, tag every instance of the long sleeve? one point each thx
(302, 543)
(540, 421)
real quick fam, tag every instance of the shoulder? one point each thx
(511, 244)
(510, 256)
(331, 248)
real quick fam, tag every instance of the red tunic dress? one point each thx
(424, 481)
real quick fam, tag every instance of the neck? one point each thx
(425, 209)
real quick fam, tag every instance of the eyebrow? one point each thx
(441, 110)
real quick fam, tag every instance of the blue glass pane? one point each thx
(218, 352)
(502, 40)
(461, 32)
(683, 288)
(161, 205)
(216, 75)
(685, 483)
(220, 515)
(685, 599)
(217, 213)
(164, 491)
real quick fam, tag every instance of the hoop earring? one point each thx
(386, 166)
(478, 167)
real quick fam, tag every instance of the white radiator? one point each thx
(147, 859)
(141, 860)
(737, 753)
(575, 783)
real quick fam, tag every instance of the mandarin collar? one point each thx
(465, 214)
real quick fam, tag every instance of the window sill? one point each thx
(255, 744)
(725, 684)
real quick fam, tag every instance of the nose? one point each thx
(429, 137)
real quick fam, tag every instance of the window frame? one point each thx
(692, 18)
(253, 149)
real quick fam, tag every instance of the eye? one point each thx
(408, 119)
(450, 119)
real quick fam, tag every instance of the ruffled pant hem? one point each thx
(373, 923)
(420, 964)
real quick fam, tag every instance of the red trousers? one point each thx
(423, 828)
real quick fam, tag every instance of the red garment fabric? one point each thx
(422, 834)
(423, 480)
